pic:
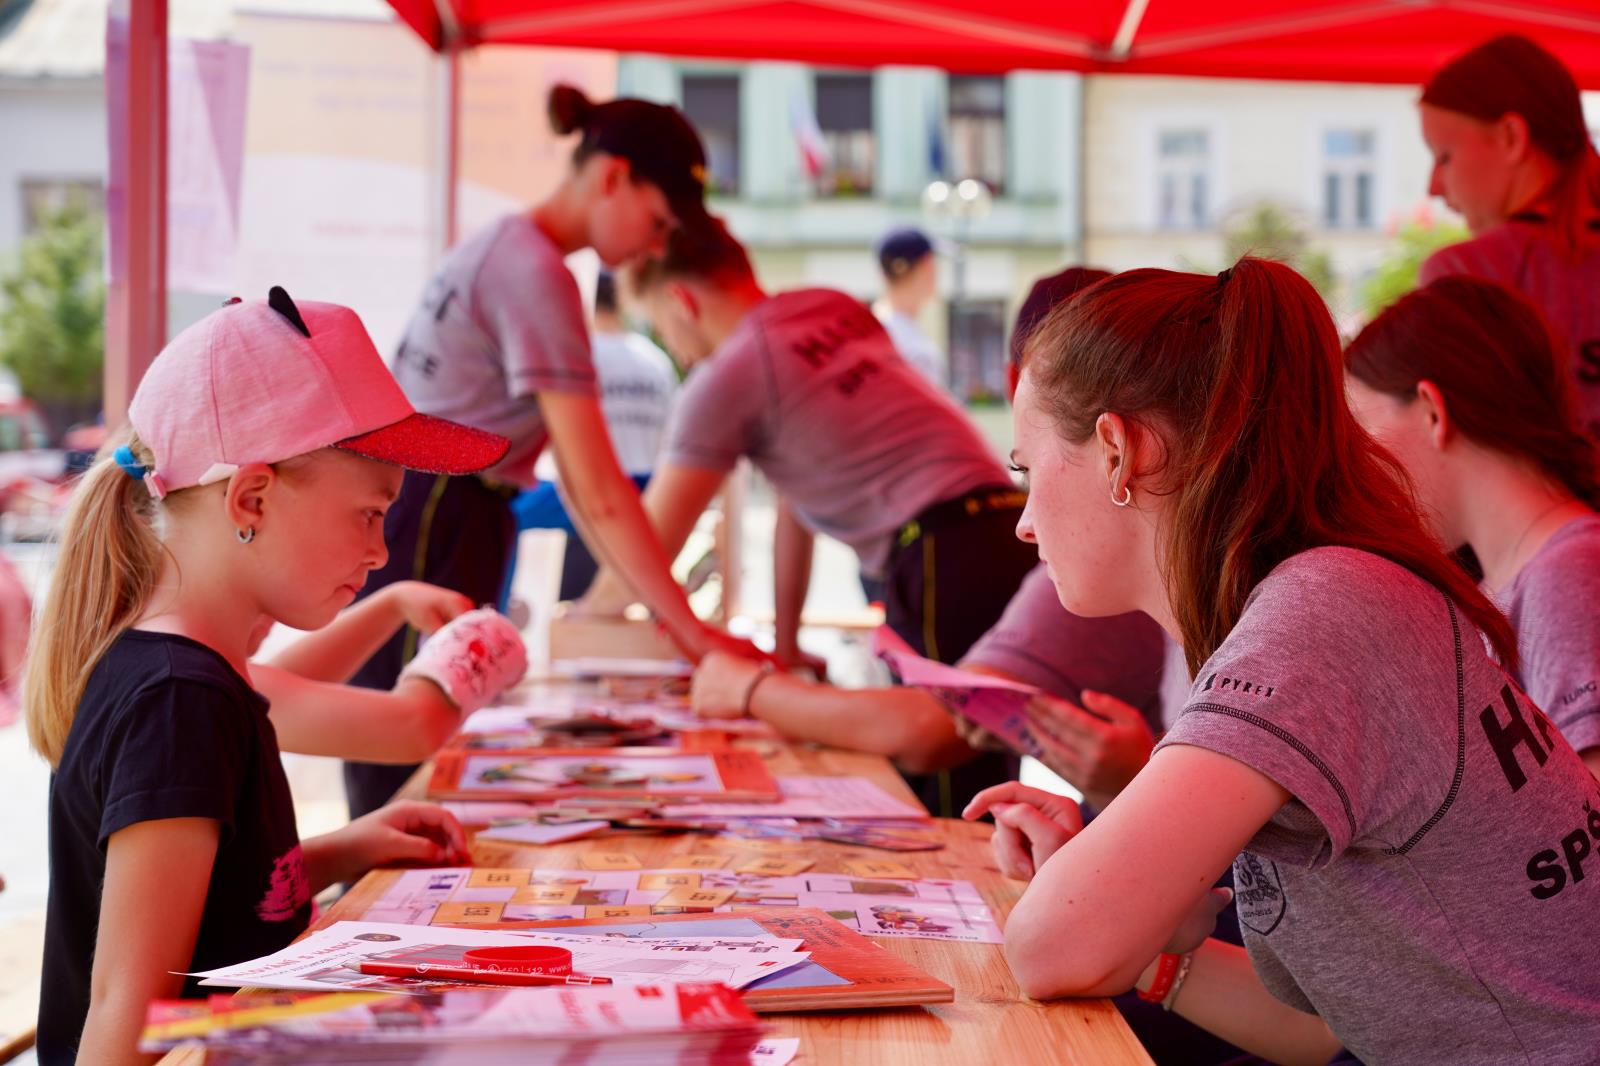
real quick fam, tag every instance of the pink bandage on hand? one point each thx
(473, 658)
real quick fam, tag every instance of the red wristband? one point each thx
(1161, 984)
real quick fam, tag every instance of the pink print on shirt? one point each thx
(287, 889)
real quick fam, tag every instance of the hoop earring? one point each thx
(1127, 496)
(245, 535)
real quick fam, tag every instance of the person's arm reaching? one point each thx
(405, 725)
(669, 508)
(336, 651)
(907, 725)
(792, 545)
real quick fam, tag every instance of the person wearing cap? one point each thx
(637, 384)
(1512, 156)
(910, 279)
(266, 443)
(858, 445)
(499, 342)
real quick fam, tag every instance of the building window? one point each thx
(844, 114)
(978, 349)
(42, 196)
(711, 103)
(1347, 178)
(1183, 179)
(977, 131)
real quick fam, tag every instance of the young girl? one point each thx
(857, 443)
(500, 343)
(1347, 740)
(266, 446)
(1512, 155)
(1463, 382)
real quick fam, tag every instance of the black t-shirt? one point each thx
(167, 729)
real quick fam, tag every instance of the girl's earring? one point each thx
(245, 535)
(1127, 496)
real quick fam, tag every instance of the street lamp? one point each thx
(956, 207)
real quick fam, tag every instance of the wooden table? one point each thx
(990, 1020)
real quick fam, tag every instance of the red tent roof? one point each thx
(1321, 40)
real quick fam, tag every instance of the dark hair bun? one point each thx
(570, 110)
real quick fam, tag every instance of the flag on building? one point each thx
(808, 137)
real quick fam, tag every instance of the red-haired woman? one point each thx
(1511, 154)
(1464, 383)
(1348, 739)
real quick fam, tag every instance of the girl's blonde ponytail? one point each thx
(108, 565)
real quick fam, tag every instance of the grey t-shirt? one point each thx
(913, 345)
(500, 322)
(811, 389)
(1552, 604)
(1424, 890)
(1521, 256)
(1039, 641)
(637, 384)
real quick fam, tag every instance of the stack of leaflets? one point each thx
(332, 958)
(570, 1026)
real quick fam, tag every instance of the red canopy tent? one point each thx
(1323, 40)
(1397, 41)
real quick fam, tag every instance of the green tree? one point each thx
(1271, 231)
(1397, 274)
(52, 308)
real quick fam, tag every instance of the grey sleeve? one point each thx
(1303, 691)
(1558, 640)
(535, 314)
(718, 414)
(1038, 641)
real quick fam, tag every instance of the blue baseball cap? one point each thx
(901, 249)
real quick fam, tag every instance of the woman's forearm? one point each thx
(1224, 996)
(904, 724)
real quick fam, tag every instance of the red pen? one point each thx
(435, 972)
(519, 964)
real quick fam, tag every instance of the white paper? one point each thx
(594, 666)
(803, 796)
(538, 833)
(776, 1052)
(329, 960)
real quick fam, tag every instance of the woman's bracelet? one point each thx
(764, 672)
(1177, 982)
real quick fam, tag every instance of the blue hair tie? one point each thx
(130, 466)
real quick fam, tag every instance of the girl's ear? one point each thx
(684, 300)
(247, 493)
(614, 172)
(1431, 407)
(1512, 135)
(1115, 455)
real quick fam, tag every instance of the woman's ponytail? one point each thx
(109, 563)
(569, 109)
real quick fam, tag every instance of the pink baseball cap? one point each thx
(261, 381)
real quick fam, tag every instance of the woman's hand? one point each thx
(1098, 747)
(720, 684)
(406, 831)
(1030, 825)
(424, 606)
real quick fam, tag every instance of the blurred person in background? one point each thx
(637, 384)
(1512, 156)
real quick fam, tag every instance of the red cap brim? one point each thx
(431, 445)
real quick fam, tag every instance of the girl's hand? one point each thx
(720, 683)
(1030, 825)
(1099, 752)
(406, 831)
(424, 606)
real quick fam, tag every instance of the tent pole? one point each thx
(136, 109)
(446, 153)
